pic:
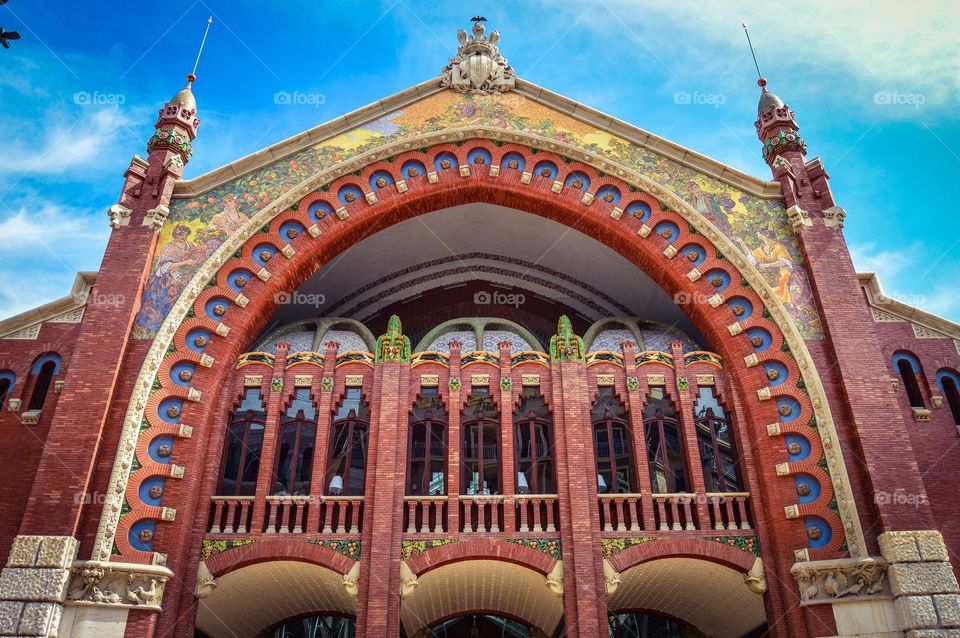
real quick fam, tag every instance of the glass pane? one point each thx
(285, 455)
(251, 460)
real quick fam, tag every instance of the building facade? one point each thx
(478, 360)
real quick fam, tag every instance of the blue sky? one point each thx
(875, 88)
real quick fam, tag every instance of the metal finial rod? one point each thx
(193, 74)
(745, 30)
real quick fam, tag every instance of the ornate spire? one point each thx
(566, 345)
(776, 126)
(393, 345)
(478, 66)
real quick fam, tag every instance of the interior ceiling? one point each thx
(711, 597)
(486, 243)
(254, 598)
(489, 585)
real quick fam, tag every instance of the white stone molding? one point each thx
(112, 584)
(824, 581)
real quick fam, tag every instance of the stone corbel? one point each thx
(798, 218)
(14, 405)
(611, 577)
(833, 217)
(206, 582)
(825, 581)
(921, 415)
(351, 580)
(408, 580)
(755, 579)
(555, 580)
(937, 401)
(119, 215)
(127, 585)
(155, 217)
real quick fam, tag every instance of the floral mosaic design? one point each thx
(211, 548)
(409, 549)
(749, 544)
(549, 546)
(466, 337)
(196, 227)
(349, 548)
(492, 339)
(611, 546)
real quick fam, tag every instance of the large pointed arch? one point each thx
(405, 196)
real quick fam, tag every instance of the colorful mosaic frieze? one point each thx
(654, 357)
(255, 357)
(430, 357)
(210, 548)
(749, 544)
(493, 338)
(349, 548)
(548, 546)
(347, 357)
(197, 226)
(700, 355)
(611, 546)
(530, 355)
(479, 355)
(605, 357)
(409, 549)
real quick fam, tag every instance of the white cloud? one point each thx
(44, 246)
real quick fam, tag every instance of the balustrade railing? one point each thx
(481, 513)
(621, 512)
(286, 514)
(728, 510)
(537, 512)
(675, 512)
(425, 514)
(230, 514)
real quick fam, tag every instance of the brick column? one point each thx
(378, 601)
(321, 455)
(585, 605)
(454, 401)
(636, 398)
(685, 415)
(274, 405)
(507, 456)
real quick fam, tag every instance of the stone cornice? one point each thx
(870, 282)
(680, 154)
(82, 284)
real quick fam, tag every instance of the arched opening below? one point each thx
(481, 626)
(492, 588)
(316, 627)
(282, 590)
(709, 597)
(644, 625)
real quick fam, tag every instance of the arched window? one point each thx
(7, 380)
(427, 451)
(718, 451)
(241, 458)
(480, 454)
(668, 468)
(298, 436)
(950, 384)
(612, 445)
(908, 368)
(533, 427)
(44, 369)
(346, 472)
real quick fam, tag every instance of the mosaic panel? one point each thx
(196, 227)
(610, 340)
(492, 339)
(466, 337)
(349, 341)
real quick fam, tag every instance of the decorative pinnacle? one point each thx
(762, 82)
(192, 76)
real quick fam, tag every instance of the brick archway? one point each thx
(240, 557)
(481, 549)
(315, 241)
(725, 555)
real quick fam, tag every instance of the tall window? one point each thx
(427, 451)
(718, 451)
(241, 459)
(480, 453)
(533, 427)
(42, 385)
(668, 469)
(346, 472)
(611, 439)
(6, 382)
(908, 367)
(298, 436)
(948, 381)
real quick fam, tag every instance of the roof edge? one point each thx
(82, 284)
(691, 159)
(870, 282)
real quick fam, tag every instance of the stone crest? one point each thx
(827, 580)
(478, 66)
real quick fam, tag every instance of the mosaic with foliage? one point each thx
(611, 546)
(349, 548)
(211, 548)
(409, 549)
(197, 226)
(749, 544)
(549, 546)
